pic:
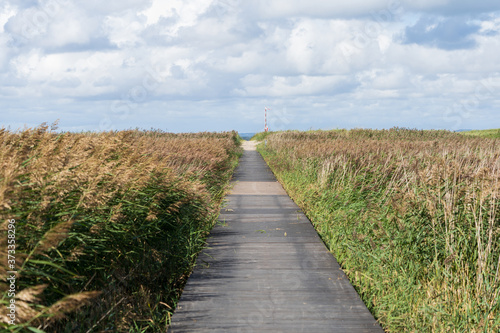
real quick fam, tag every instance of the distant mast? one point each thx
(266, 129)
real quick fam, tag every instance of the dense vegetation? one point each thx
(107, 223)
(412, 216)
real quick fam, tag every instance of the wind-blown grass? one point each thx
(412, 217)
(107, 223)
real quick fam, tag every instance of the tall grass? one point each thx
(412, 216)
(107, 223)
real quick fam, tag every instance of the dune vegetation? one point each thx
(107, 225)
(413, 217)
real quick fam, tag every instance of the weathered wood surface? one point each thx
(266, 269)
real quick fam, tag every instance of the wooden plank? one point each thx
(265, 268)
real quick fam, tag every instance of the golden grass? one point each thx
(88, 206)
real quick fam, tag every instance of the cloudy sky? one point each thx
(196, 65)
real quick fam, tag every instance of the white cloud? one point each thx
(319, 8)
(389, 63)
(363, 8)
(276, 86)
(384, 79)
(123, 31)
(185, 13)
(7, 10)
(103, 8)
(25, 64)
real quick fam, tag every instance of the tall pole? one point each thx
(265, 119)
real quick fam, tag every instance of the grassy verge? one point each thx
(260, 136)
(107, 225)
(412, 217)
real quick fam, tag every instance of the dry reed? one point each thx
(106, 214)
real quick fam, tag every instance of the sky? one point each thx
(214, 65)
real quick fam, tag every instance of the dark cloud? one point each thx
(448, 33)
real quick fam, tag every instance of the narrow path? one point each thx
(266, 269)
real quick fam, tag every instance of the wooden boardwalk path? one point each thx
(265, 268)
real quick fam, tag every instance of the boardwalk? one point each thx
(266, 269)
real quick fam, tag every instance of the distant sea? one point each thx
(246, 136)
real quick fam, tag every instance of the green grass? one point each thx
(490, 133)
(260, 136)
(411, 216)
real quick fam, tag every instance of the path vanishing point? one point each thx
(265, 269)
